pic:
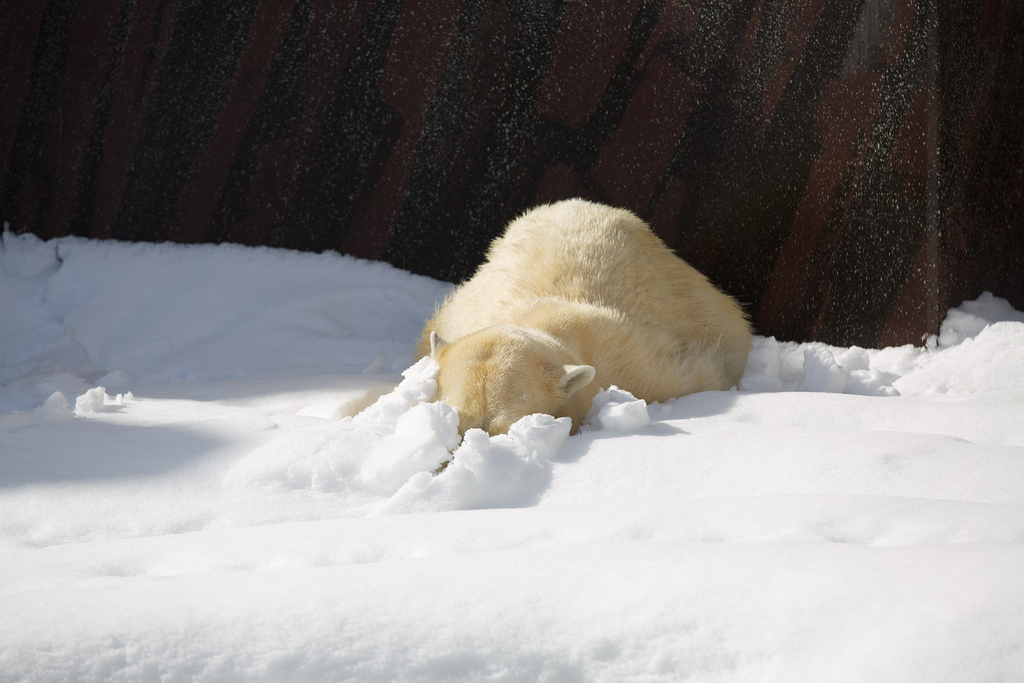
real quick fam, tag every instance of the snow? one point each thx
(618, 410)
(221, 463)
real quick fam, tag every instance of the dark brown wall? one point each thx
(848, 169)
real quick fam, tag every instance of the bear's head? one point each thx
(499, 374)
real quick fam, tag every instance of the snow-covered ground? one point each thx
(183, 495)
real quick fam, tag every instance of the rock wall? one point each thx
(848, 169)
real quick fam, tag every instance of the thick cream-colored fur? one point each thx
(576, 284)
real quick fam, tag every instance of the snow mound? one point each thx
(416, 436)
(978, 349)
(507, 470)
(176, 313)
(789, 366)
(419, 385)
(970, 318)
(617, 410)
(990, 360)
(406, 448)
(423, 439)
(54, 409)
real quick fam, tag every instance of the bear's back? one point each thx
(575, 250)
(591, 253)
(582, 252)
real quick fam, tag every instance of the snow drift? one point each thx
(221, 463)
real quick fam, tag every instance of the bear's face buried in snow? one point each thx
(500, 374)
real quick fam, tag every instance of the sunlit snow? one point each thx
(213, 468)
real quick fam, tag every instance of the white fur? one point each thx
(576, 284)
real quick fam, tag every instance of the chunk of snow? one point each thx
(419, 385)
(92, 401)
(764, 366)
(422, 440)
(822, 373)
(541, 435)
(507, 470)
(617, 410)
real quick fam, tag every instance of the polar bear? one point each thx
(575, 297)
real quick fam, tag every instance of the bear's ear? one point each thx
(436, 344)
(576, 377)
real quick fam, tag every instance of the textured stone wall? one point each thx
(848, 169)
